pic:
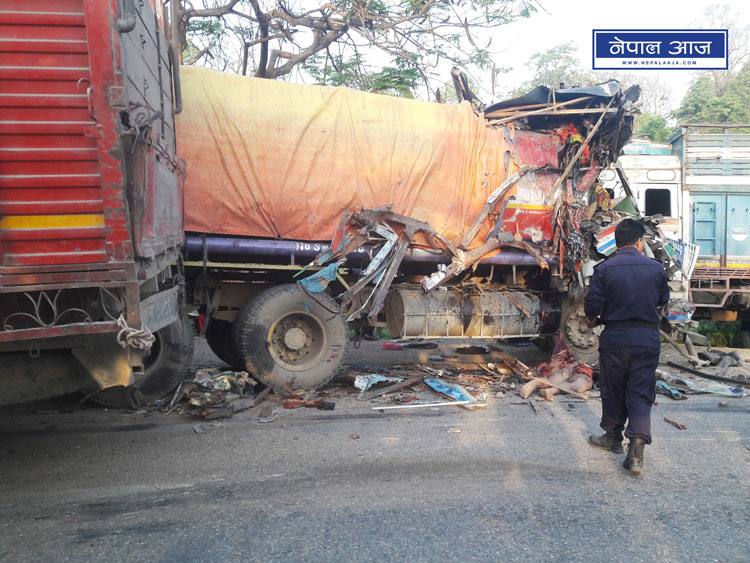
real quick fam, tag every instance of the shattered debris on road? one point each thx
(213, 393)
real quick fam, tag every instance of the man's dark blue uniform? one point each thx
(626, 293)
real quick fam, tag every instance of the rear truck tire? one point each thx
(581, 339)
(166, 365)
(219, 337)
(290, 340)
(169, 361)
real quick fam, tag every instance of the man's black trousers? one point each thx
(628, 386)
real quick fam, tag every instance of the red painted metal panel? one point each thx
(46, 87)
(58, 331)
(44, 46)
(104, 60)
(48, 139)
(43, 60)
(44, 100)
(47, 154)
(35, 235)
(36, 73)
(77, 257)
(25, 142)
(11, 207)
(51, 274)
(38, 36)
(73, 167)
(48, 180)
(14, 127)
(41, 18)
(66, 100)
(530, 214)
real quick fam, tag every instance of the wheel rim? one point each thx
(297, 341)
(581, 337)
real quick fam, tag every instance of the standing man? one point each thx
(627, 290)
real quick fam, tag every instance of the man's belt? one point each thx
(630, 324)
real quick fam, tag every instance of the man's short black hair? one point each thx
(628, 232)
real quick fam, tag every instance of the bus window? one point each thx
(658, 202)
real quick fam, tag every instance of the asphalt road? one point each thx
(499, 484)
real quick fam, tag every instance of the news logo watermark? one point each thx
(641, 49)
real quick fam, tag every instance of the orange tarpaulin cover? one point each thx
(272, 159)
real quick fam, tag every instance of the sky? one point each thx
(574, 20)
(562, 21)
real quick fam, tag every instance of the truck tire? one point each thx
(169, 361)
(581, 340)
(166, 365)
(290, 340)
(219, 338)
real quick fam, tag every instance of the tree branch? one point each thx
(249, 44)
(262, 67)
(320, 42)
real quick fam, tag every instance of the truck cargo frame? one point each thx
(91, 202)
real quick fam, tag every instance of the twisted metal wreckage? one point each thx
(562, 139)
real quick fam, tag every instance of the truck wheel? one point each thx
(219, 339)
(290, 340)
(165, 366)
(168, 363)
(581, 339)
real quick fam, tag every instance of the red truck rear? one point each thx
(91, 217)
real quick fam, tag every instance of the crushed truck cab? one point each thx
(309, 207)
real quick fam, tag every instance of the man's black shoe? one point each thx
(610, 441)
(634, 461)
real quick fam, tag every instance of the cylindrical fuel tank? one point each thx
(460, 312)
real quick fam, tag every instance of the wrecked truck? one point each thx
(314, 214)
(91, 224)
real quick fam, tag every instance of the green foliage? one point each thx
(653, 126)
(206, 27)
(705, 102)
(337, 42)
(398, 80)
(557, 65)
(722, 334)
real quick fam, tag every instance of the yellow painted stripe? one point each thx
(51, 221)
(532, 206)
(729, 266)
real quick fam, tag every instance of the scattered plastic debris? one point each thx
(665, 389)
(214, 394)
(268, 413)
(450, 390)
(688, 385)
(364, 382)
